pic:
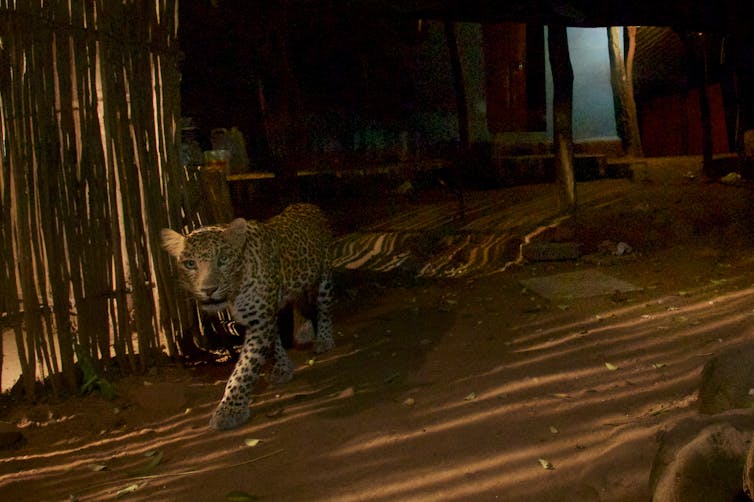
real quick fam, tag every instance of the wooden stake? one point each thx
(562, 76)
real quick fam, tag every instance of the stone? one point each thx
(727, 381)
(707, 467)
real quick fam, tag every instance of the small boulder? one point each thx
(727, 381)
(702, 459)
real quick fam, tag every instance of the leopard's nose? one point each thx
(209, 291)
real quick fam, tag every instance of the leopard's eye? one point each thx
(189, 264)
(223, 259)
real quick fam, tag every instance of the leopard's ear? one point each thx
(172, 242)
(236, 232)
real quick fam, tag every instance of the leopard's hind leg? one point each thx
(323, 338)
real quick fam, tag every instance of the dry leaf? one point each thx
(129, 489)
(97, 467)
(345, 393)
(554, 429)
(470, 397)
(611, 367)
(238, 496)
(149, 465)
(546, 464)
(275, 413)
(252, 442)
(409, 402)
(657, 366)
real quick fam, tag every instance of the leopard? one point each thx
(254, 270)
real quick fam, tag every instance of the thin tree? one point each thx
(562, 109)
(621, 77)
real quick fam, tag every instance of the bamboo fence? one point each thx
(89, 174)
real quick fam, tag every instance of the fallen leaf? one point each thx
(348, 392)
(128, 489)
(561, 395)
(97, 467)
(252, 442)
(311, 361)
(554, 429)
(148, 466)
(657, 366)
(275, 413)
(239, 496)
(546, 464)
(391, 378)
(470, 397)
(611, 367)
(409, 402)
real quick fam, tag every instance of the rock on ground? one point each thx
(727, 381)
(702, 459)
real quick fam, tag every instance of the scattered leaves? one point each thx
(546, 464)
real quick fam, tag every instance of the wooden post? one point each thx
(696, 47)
(562, 106)
(462, 109)
(458, 84)
(217, 202)
(621, 78)
(707, 161)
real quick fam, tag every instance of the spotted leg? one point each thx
(323, 340)
(233, 409)
(282, 369)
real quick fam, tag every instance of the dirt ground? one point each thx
(469, 387)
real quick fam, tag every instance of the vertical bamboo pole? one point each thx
(562, 76)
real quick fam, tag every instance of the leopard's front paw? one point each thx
(281, 372)
(226, 417)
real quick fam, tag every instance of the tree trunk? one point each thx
(704, 109)
(621, 77)
(458, 85)
(562, 77)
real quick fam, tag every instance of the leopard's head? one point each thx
(209, 262)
